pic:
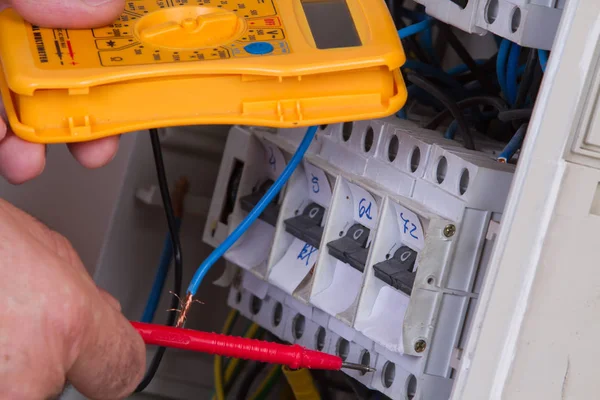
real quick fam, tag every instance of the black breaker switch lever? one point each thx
(398, 270)
(307, 226)
(271, 212)
(352, 248)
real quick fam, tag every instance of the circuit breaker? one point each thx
(377, 252)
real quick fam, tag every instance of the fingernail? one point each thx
(96, 3)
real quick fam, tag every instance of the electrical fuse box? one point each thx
(387, 275)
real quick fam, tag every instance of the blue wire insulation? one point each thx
(501, 64)
(513, 145)
(401, 114)
(512, 67)
(254, 214)
(414, 28)
(161, 276)
(521, 70)
(543, 56)
(451, 131)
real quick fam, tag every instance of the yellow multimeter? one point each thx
(275, 63)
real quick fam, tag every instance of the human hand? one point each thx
(56, 325)
(21, 161)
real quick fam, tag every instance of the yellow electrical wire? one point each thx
(267, 383)
(231, 367)
(302, 383)
(218, 365)
(219, 389)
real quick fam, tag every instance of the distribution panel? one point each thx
(376, 251)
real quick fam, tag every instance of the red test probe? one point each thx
(294, 356)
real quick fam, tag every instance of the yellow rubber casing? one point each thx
(302, 384)
(275, 63)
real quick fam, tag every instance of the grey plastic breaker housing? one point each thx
(271, 213)
(398, 271)
(352, 247)
(529, 23)
(308, 225)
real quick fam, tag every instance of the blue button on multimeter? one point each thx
(259, 48)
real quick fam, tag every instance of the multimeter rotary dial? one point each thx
(190, 27)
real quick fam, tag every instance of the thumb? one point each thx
(67, 13)
(112, 360)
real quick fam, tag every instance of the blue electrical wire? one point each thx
(255, 213)
(160, 278)
(414, 28)
(451, 131)
(501, 64)
(543, 56)
(512, 68)
(513, 145)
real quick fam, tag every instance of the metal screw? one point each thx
(449, 230)
(420, 346)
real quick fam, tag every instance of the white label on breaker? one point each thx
(253, 247)
(319, 189)
(293, 267)
(274, 159)
(411, 230)
(365, 207)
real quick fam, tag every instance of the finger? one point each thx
(3, 126)
(20, 161)
(95, 154)
(112, 361)
(69, 13)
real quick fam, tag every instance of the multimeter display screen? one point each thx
(331, 23)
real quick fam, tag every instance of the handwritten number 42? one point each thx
(412, 228)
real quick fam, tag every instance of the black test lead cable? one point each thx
(178, 269)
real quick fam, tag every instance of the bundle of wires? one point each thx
(225, 379)
(492, 97)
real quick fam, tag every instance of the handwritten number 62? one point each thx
(364, 210)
